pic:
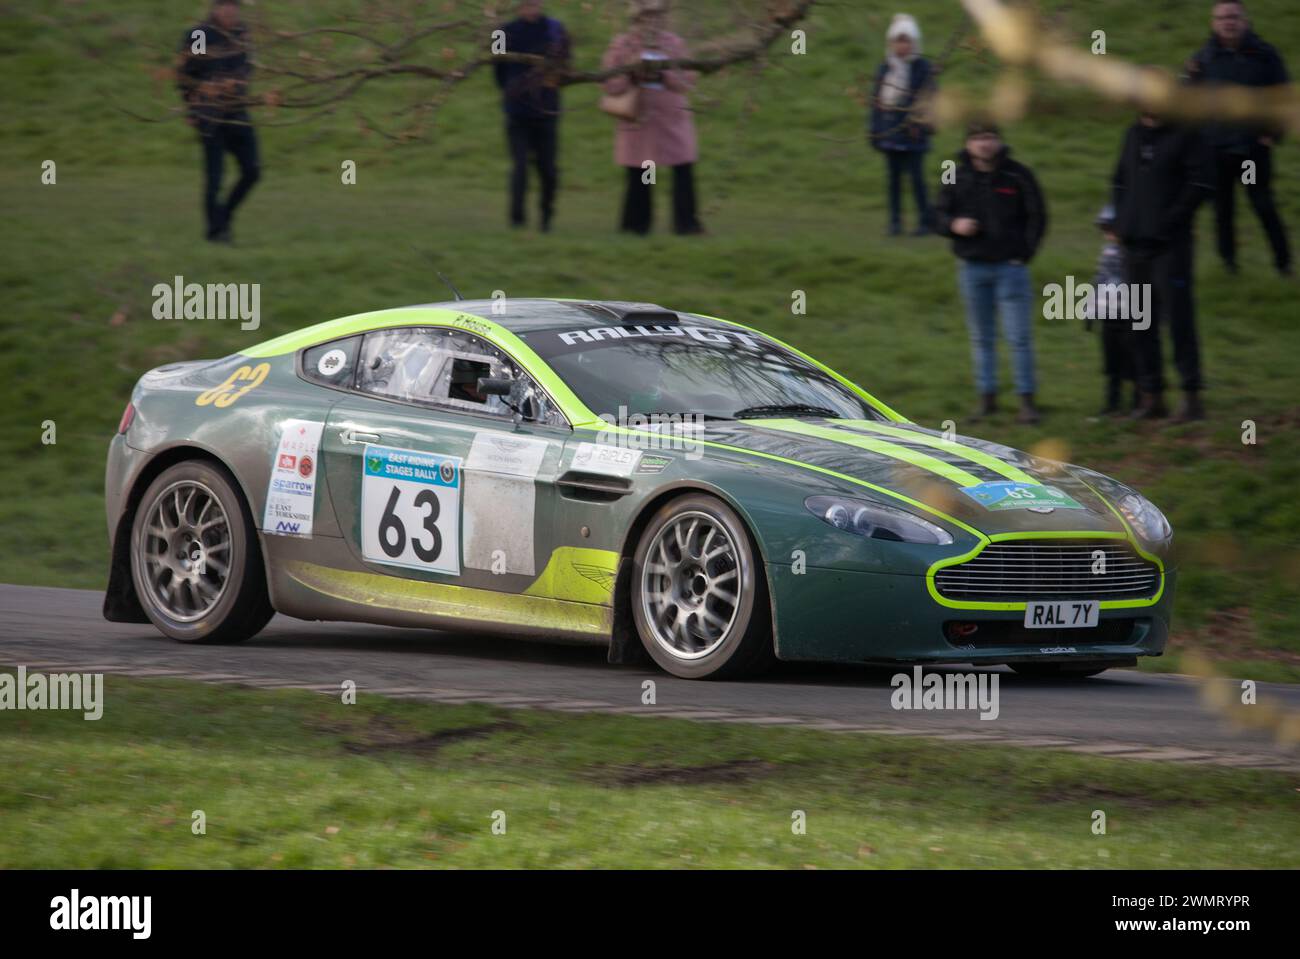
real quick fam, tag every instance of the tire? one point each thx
(690, 552)
(195, 558)
(1056, 670)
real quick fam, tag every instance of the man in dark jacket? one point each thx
(995, 214)
(212, 72)
(531, 100)
(1235, 54)
(1164, 173)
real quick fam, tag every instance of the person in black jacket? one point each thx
(995, 214)
(212, 73)
(531, 102)
(1163, 175)
(1235, 54)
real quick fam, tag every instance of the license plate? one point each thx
(1062, 615)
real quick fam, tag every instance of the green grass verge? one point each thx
(288, 779)
(792, 196)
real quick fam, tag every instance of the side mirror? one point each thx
(522, 400)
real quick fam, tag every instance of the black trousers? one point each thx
(538, 137)
(218, 139)
(1168, 271)
(638, 202)
(1261, 198)
(906, 163)
(1116, 352)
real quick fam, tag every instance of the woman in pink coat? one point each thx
(664, 131)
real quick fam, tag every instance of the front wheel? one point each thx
(699, 595)
(195, 558)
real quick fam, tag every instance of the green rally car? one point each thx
(613, 473)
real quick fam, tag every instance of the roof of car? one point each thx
(527, 315)
(517, 317)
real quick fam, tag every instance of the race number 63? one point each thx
(410, 509)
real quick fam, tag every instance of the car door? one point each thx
(430, 478)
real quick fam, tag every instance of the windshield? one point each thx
(736, 375)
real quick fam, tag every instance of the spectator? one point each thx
(664, 131)
(1163, 175)
(212, 73)
(995, 214)
(1117, 360)
(895, 130)
(530, 98)
(1235, 54)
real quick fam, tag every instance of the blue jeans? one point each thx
(992, 289)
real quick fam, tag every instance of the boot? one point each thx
(1191, 408)
(1150, 406)
(988, 406)
(1028, 411)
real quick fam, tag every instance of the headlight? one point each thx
(876, 521)
(1147, 521)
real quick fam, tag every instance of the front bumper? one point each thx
(832, 615)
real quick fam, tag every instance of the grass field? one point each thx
(793, 201)
(288, 779)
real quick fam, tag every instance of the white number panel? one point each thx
(410, 509)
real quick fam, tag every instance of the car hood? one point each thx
(962, 477)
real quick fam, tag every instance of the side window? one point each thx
(333, 363)
(442, 368)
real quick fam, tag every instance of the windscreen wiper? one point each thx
(687, 415)
(785, 409)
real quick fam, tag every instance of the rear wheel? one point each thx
(699, 596)
(1057, 670)
(195, 558)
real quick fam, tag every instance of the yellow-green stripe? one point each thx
(892, 450)
(979, 457)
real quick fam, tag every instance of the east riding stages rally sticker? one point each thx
(291, 492)
(410, 509)
(1007, 494)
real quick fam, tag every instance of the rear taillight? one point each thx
(128, 415)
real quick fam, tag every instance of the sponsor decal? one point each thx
(331, 362)
(501, 502)
(605, 460)
(508, 455)
(568, 341)
(1007, 494)
(410, 509)
(291, 492)
(653, 463)
(243, 380)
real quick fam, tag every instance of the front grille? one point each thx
(1043, 569)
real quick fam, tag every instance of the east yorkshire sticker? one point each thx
(1007, 494)
(291, 492)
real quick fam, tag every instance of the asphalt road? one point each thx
(1123, 713)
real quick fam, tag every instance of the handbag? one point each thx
(624, 106)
